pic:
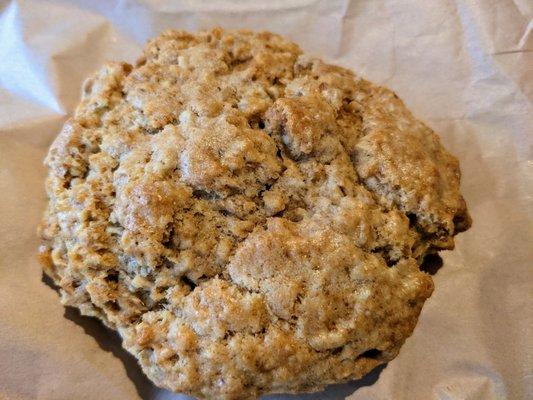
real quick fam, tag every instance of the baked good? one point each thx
(248, 218)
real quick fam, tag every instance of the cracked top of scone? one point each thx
(249, 218)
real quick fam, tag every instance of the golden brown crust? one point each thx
(251, 220)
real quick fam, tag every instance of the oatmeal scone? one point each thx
(248, 218)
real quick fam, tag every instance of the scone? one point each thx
(249, 219)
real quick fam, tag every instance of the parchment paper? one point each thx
(463, 66)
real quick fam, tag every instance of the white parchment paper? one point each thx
(463, 66)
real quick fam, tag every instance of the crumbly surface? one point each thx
(248, 218)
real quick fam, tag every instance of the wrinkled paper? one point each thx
(464, 66)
